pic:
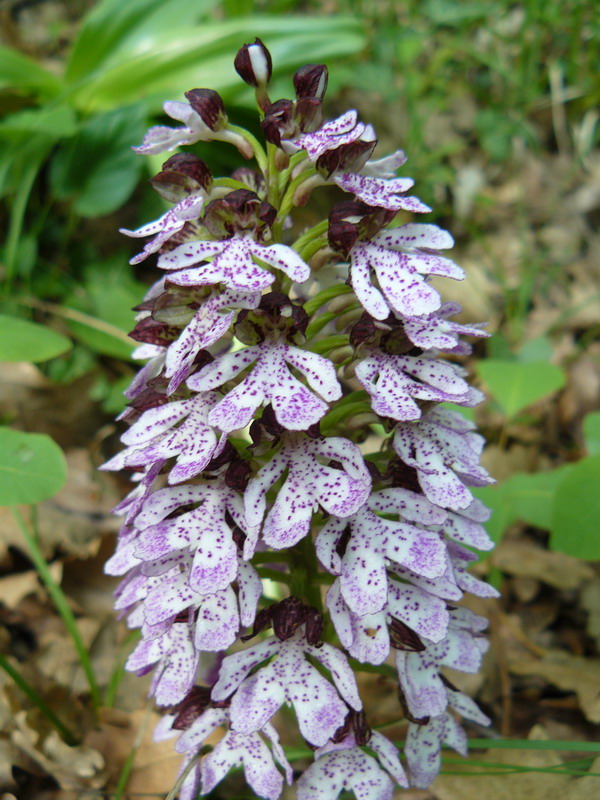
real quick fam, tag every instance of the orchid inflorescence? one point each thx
(270, 359)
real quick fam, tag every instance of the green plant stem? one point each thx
(309, 235)
(257, 148)
(130, 760)
(76, 316)
(274, 575)
(119, 670)
(67, 735)
(62, 606)
(287, 202)
(273, 195)
(311, 248)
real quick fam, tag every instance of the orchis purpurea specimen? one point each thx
(272, 539)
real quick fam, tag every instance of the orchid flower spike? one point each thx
(266, 541)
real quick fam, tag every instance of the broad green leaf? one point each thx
(591, 433)
(110, 294)
(538, 349)
(497, 499)
(532, 495)
(32, 467)
(55, 122)
(114, 25)
(19, 71)
(576, 511)
(468, 412)
(98, 169)
(516, 386)
(173, 62)
(21, 340)
(451, 13)
(523, 497)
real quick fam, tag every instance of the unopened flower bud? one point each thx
(311, 81)
(181, 175)
(253, 64)
(209, 106)
(241, 210)
(341, 354)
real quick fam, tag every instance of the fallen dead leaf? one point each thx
(572, 673)
(525, 559)
(533, 785)
(156, 763)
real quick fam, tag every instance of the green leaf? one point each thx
(515, 385)
(32, 467)
(113, 26)
(21, 340)
(532, 496)
(591, 433)
(168, 63)
(576, 511)
(451, 13)
(55, 122)
(98, 169)
(538, 349)
(525, 497)
(110, 294)
(19, 71)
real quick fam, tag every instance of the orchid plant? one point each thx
(273, 361)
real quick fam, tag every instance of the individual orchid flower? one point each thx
(234, 749)
(366, 636)
(166, 227)
(424, 740)
(445, 451)
(329, 136)
(461, 648)
(374, 541)
(288, 677)
(309, 484)
(296, 408)
(345, 766)
(204, 120)
(395, 383)
(210, 322)
(234, 264)
(194, 443)
(435, 331)
(399, 261)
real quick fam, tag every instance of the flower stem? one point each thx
(257, 148)
(67, 735)
(62, 606)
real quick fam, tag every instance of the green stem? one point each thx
(274, 575)
(312, 233)
(287, 202)
(16, 220)
(296, 159)
(229, 183)
(62, 606)
(130, 760)
(273, 191)
(119, 670)
(311, 248)
(35, 698)
(257, 148)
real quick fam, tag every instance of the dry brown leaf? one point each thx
(156, 763)
(528, 560)
(529, 786)
(75, 767)
(571, 673)
(590, 600)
